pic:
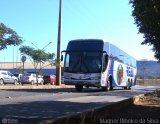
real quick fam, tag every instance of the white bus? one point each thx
(93, 62)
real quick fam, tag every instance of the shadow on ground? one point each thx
(43, 110)
(47, 112)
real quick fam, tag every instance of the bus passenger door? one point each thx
(105, 72)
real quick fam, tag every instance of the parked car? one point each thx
(49, 79)
(7, 77)
(31, 79)
(19, 76)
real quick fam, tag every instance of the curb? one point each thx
(95, 115)
(35, 87)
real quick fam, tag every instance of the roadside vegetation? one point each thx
(146, 14)
(38, 57)
(8, 37)
(146, 109)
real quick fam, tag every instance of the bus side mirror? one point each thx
(61, 57)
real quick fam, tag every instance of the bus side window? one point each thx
(105, 62)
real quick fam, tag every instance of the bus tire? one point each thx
(79, 87)
(109, 85)
(128, 87)
(104, 88)
(110, 81)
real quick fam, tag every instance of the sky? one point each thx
(36, 21)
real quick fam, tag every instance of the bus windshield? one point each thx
(83, 62)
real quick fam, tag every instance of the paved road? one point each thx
(60, 102)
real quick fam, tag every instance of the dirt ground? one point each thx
(146, 110)
(148, 82)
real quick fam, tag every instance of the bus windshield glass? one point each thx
(83, 62)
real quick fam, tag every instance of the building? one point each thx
(28, 67)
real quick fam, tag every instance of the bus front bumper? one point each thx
(94, 83)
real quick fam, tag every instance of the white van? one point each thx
(7, 77)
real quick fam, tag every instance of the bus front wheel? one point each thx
(110, 83)
(79, 87)
(109, 86)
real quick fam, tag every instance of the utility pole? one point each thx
(58, 66)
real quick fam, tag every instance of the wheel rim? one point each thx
(1, 82)
(42, 83)
(32, 82)
(15, 82)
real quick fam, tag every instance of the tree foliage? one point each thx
(38, 58)
(37, 55)
(8, 37)
(147, 18)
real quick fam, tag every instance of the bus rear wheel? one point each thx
(79, 87)
(128, 87)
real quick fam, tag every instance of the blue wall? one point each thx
(46, 71)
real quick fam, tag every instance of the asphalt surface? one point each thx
(54, 103)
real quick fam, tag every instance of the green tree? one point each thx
(8, 37)
(147, 18)
(38, 58)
